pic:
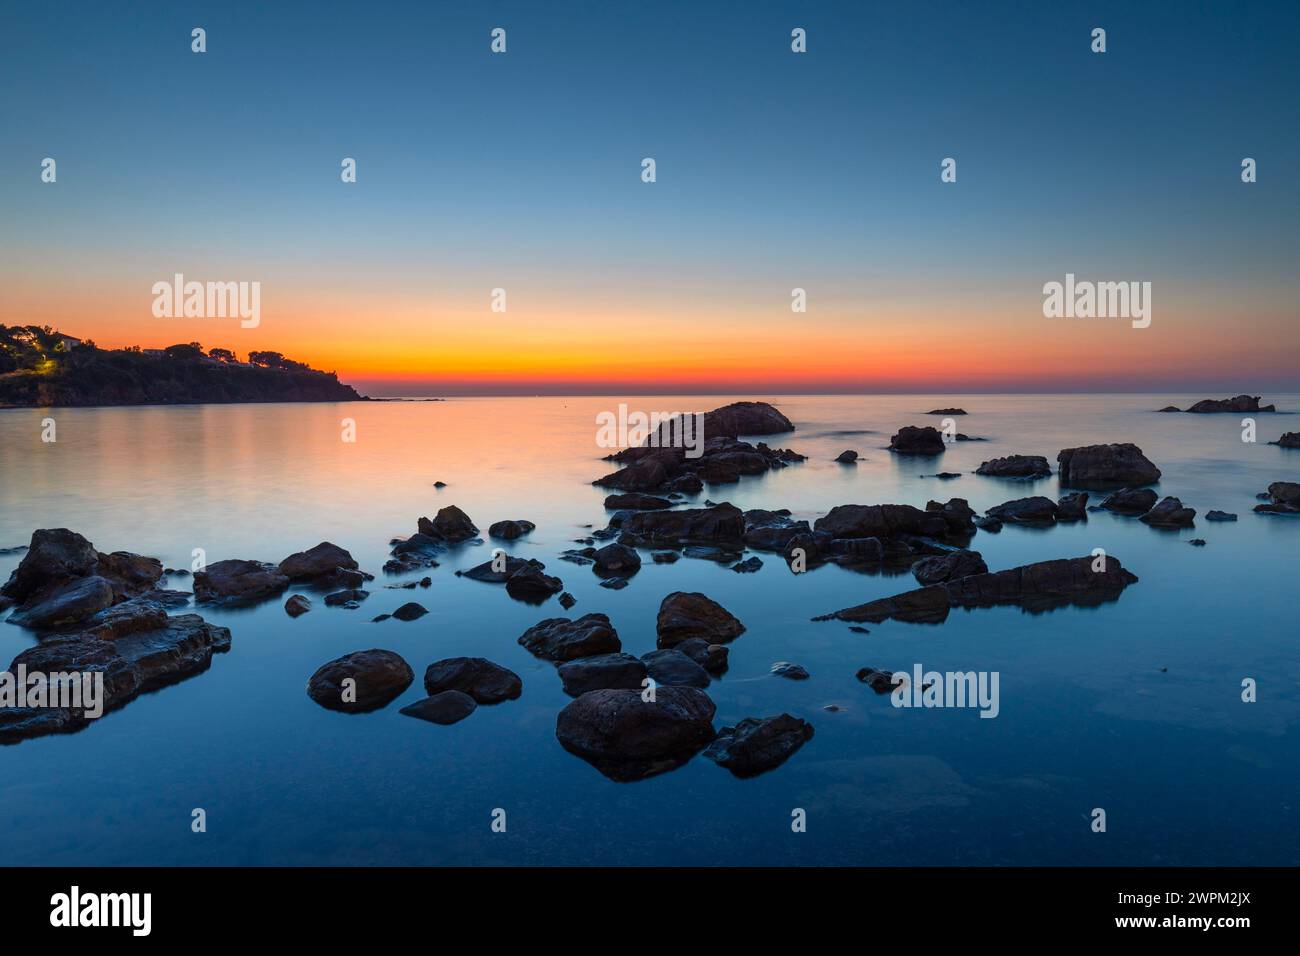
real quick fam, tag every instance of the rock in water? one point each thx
(758, 744)
(410, 611)
(448, 707)
(1130, 501)
(68, 604)
(911, 440)
(349, 597)
(1213, 515)
(132, 664)
(1170, 513)
(946, 411)
(450, 524)
(55, 556)
(486, 682)
(882, 682)
(324, 561)
(849, 457)
(238, 582)
(1035, 587)
(1016, 466)
(509, 530)
(1288, 440)
(723, 523)
(1240, 403)
(616, 560)
(627, 738)
(600, 672)
(790, 671)
(560, 639)
(1032, 511)
(745, 418)
(373, 677)
(1099, 466)
(1284, 499)
(1073, 507)
(687, 614)
(949, 566)
(669, 666)
(297, 605)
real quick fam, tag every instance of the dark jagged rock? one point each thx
(881, 521)
(1288, 440)
(636, 502)
(532, 586)
(376, 677)
(882, 682)
(1170, 408)
(349, 597)
(772, 530)
(417, 551)
(746, 418)
(672, 667)
(989, 523)
(450, 524)
(748, 566)
(1031, 511)
(712, 657)
(627, 738)
(911, 440)
(721, 524)
(238, 582)
(949, 566)
(129, 574)
(790, 671)
(567, 600)
(561, 639)
(1170, 513)
(1284, 499)
(758, 744)
(449, 707)
(1016, 466)
(946, 411)
(1213, 515)
(499, 569)
(687, 614)
(68, 604)
(132, 664)
(1237, 404)
(616, 560)
(849, 457)
(509, 530)
(1035, 587)
(1073, 507)
(1100, 466)
(410, 611)
(600, 672)
(486, 682)
(614, 584)
(135, 614)
(322, 563)
(297, 605)
(1130, 501)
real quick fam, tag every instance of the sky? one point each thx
(775, 171)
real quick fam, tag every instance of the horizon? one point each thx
(776, 171)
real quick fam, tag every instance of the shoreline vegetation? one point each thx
(42, 367)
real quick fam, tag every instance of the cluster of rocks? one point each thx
(1237, 404)
(1283, 498)
(922, 440)
(1288, 440)
(1036, 587)
(1016, 466)
(432, 537)
(525, 579)
(1035, 511)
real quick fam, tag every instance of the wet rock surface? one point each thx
(562, 639)
(627, 738)
(1237, 404)
(914, 440)
(600, 672)
(237, 581)
(448, 707)
(1170, 513)
(510, 530)
(759, 744)
(481, 679)
(947, 567)
(1031, 511)
(361, 681)
(322, 564)
(670, 666)
(689, 614)
(1283, 499)
(1101, 466)
(297, 605)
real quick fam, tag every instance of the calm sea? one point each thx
(1134, 707)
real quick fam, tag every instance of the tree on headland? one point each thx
(192, 350)
(222, 355)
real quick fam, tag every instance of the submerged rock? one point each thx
(349, 598)
(1016, 466)
(948, 566)
(560, 639)
(448, 707)
(758, 744)
(1170, 513)
(1106, 465)
(238, 582)
(132, 664)
(627, 738)
(911, 440)
(602, 671)
(671, 666)
(373, 678)
(1213, 515)
(486, 682)
(410, 611)
(687, 614)
(1036, 587)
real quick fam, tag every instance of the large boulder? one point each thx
(1130, 501)
(670, 666)
(236, 581)
(878, 521)
(1100, 466)
(1016, 466)
(1170, 513)
(720, 524)
(361, 681)
(66, 605)
(1284, 499)
(562, 639)
(1072, 507)
(321, 562)
(745, 418)
(949, 566)
(602, 671)
(129, 574)
(486, 682)
(628, 738)
(1237, 404)
(684, 615)
(450, 524)
(55, 556)
(131, 664)
(758, 744)
(1032, 511)
(1036, 587)
(911, 440)
(511, 529)
(616, 560)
